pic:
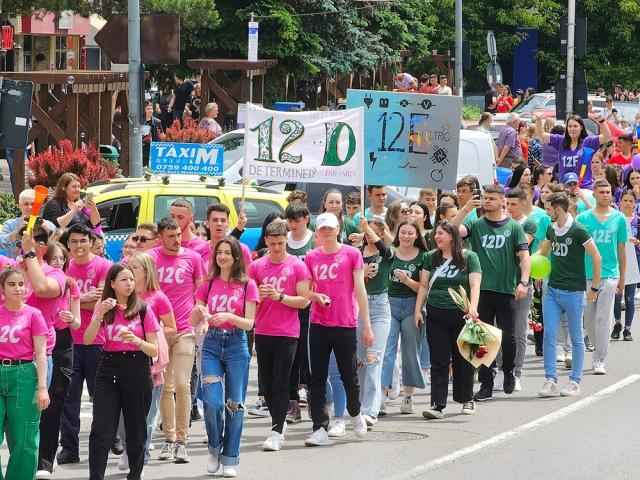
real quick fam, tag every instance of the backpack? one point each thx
(160, 362)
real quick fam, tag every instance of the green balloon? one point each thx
(540, 266)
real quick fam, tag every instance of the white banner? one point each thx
(315, 147)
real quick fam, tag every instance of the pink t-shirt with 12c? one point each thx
(198, 245)
(225, 297)
(332, 275)
(178, 275)
(88, 277)
(17, 330)
(49, 306)
(158, 302)
(113, 332)
(273, 318)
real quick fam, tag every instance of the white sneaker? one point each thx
(498, 381)
(273, 443)
(549, 389)
(571, 389)
(318, 438)
(229, 471)
(406, 406)
(560, 357)
(337, 428)
(359, 425)
(568, 359)
(598, 368)
(426, 375)
(371, 421)
(394, 392)
(518, 387)
(213, 464)
(123, 463)
(43, 475)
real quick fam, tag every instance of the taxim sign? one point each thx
(186, 158)
(316, 147)
(410, 139)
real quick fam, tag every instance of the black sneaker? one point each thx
(195, 414)
(539, 352)
(509, 382)
(587, 344)
(615, 334)
(117, 448)
(484, 394)
(626, 335)
(65, 456)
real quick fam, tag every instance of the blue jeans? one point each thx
(49, 370)
(557, 302)
(335, 389)
(225, 356)
(403, 327)
(425, 356)
(629, 305)
(151, 420)
(370, 359)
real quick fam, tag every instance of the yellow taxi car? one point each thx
(124, 203)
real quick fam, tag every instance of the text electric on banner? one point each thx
(410, 139)
(316, 147)
(186, 158)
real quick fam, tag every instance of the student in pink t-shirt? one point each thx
(283, 283)
(337, 273)
(123, 379)
(226, 305)
(67, 316)
(148, 288)
(24, 383)
(180, 272)
(89, 271)
(181, 211)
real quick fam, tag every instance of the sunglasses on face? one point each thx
(141, 238)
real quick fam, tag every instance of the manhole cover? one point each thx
(390, 436)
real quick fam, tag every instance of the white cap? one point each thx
(326, 219)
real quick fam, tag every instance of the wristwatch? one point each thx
(281, 297)
(595, 290)
(524, 283)
(602, 120)
(30, 255)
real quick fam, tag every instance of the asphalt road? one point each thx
(594, 436)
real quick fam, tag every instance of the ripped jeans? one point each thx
(225, 357)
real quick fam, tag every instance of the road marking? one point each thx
(515, 432)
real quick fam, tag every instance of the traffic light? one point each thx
(579, 95)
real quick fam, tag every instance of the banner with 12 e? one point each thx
(315, 147)
(410, 139)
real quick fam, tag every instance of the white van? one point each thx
(475, 157)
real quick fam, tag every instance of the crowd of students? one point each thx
(343, 310)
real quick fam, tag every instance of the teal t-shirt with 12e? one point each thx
(607, 235)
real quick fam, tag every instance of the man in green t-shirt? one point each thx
(567, 241)
(300, 240)
(501, 245)
(608, 227)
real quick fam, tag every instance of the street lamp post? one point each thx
(571, 47)
(458, 48)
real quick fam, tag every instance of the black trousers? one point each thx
(251, 336)
(499, 309)
(123, 384)
(443, 328)
(300, 372)
(62, 356)
(275, 358)
(194, 382)
(342, 341)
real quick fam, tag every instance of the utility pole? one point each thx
(571, 50)
(135, 79)
(252, 50)
(458, 47)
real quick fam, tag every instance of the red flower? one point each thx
(482, 351)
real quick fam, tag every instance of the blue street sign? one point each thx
(186, 158)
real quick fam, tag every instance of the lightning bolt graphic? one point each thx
(373, 159)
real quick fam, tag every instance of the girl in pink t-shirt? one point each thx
(67, 317)
(123, 379)
(226, 301)
(24, 384)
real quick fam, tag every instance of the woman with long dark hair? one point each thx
(521, 174)
(406, 271)
(123, 378)
(448, 266)
(570, 146)
(226, 301)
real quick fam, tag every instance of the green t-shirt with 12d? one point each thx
(497, 245)
(567, 258)
(450, 277)
(412, 268)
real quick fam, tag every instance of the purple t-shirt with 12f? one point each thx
(571, 160)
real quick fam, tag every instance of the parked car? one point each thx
(125, 203)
